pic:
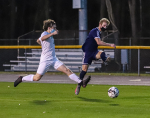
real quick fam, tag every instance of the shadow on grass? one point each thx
(114, 104)
(40, 102)
(94, 100)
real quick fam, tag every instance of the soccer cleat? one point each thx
(107, 61)
(77, 90)
(19, 80)
(86, 81)
(83, 84)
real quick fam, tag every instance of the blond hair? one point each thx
(48, 23)
(104, 20)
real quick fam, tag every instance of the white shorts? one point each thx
(44, 66)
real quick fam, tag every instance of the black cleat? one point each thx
(19, 80)
(83, 84)
(77, 90)
(86, 81)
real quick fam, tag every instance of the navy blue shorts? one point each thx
(88, 57)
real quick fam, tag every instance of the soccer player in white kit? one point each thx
(48, 57)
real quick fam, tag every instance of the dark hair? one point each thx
(48, 23)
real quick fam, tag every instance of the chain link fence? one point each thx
(123, 60)
(130, 60)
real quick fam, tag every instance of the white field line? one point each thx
(135, 80)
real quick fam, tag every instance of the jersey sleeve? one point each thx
(43, 34)
(95, 34)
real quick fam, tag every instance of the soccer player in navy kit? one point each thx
(90, 49)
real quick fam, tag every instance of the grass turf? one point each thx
(45, 100)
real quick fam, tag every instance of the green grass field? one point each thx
(45, 100)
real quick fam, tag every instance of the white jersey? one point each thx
(48, 48)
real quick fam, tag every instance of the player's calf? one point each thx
(103, 56)
(82, 74)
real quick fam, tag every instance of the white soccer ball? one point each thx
(113, 92)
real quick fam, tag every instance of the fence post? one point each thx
(130, 55)
(25, 61)
(138, 62)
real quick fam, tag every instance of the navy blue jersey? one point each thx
(90, 44)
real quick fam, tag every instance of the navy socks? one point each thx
(82, 74)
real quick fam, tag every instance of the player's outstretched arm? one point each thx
(102, 43)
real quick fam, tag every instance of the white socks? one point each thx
(28, 78)
(72, 77)
(75, 78)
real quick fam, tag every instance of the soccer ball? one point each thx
(113, 92)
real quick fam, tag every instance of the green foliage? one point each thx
(40, 100)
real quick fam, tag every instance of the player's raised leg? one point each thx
(73, 77)
(84, 71)
(43, 67)
(102, 55)
(70, 74)
(29, 78)
(82, 74)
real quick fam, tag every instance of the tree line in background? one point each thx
(18, 17)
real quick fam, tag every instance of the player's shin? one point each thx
(28, 78)
(82, 74)
(75, 78)
(103, 56)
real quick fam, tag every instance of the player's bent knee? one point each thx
(85, 67)
(103, 56)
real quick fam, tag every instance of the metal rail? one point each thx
(72, 47)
